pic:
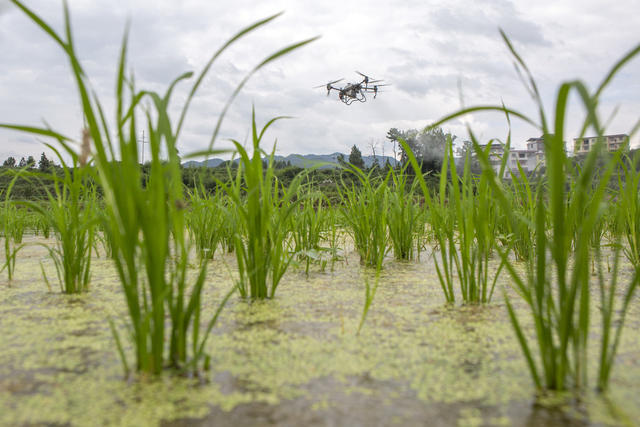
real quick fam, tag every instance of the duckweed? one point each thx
(295, 357)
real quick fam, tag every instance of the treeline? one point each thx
(32, 183)
(427, 145)
(31, 179)
(35, 184)
(325, 180)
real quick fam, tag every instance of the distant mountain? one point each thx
(212, 163)
(301, 160)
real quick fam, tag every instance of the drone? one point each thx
(353, 92)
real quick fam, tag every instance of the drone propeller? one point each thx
(328, 84)
(368, 80)
(374, 88)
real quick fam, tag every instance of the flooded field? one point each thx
(293, 360)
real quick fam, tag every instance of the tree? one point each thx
(31, 162)
(427, 146)
(394, 135)
(375, 164)
(44, 165)
(355, 158)
(10, 162)
(373, 144)
(466, 153)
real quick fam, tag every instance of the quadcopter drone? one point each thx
(354, 91)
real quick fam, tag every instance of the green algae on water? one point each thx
(295, 356)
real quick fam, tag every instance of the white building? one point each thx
(526, 158)
(612, 143)
(530, 159)
(536, 146)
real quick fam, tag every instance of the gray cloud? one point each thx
(422, 48)
(483, 18)
(4, 6)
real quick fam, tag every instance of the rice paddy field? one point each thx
(293, 360)
(452, 297)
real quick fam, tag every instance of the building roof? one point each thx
(624, 135)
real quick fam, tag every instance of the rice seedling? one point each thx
(598, 230)
(102, 235)
(628, 199)
(308, 226)
(523, 198)
(205, 221)
(41, 226)
(13, 229)
(22, 220)
(15, 220)
(462, 222)
(263, 208)
(369, 294)
(611, 328)
(146, 221)
(404, 216)
(229, 226)
(334, 237)
(364, 212)
(560, 302)
(71, 215)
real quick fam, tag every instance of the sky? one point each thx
(436, 56)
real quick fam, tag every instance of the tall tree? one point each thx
(44, 165)
(428, 147)
(355, 158)
(393, 135)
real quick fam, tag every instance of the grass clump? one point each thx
(146, 220)
(463, 224)
(309, 225)
(71, 214)
(12, 231)
(263, 208)
(205, 221)
(405, 216)
(556, 284)
(628, 198)
(364, 212)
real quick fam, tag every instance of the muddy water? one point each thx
(295, 360)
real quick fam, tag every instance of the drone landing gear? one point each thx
(350, 100)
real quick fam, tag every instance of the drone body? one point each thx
(352, 92)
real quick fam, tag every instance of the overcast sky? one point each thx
(425, 49)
